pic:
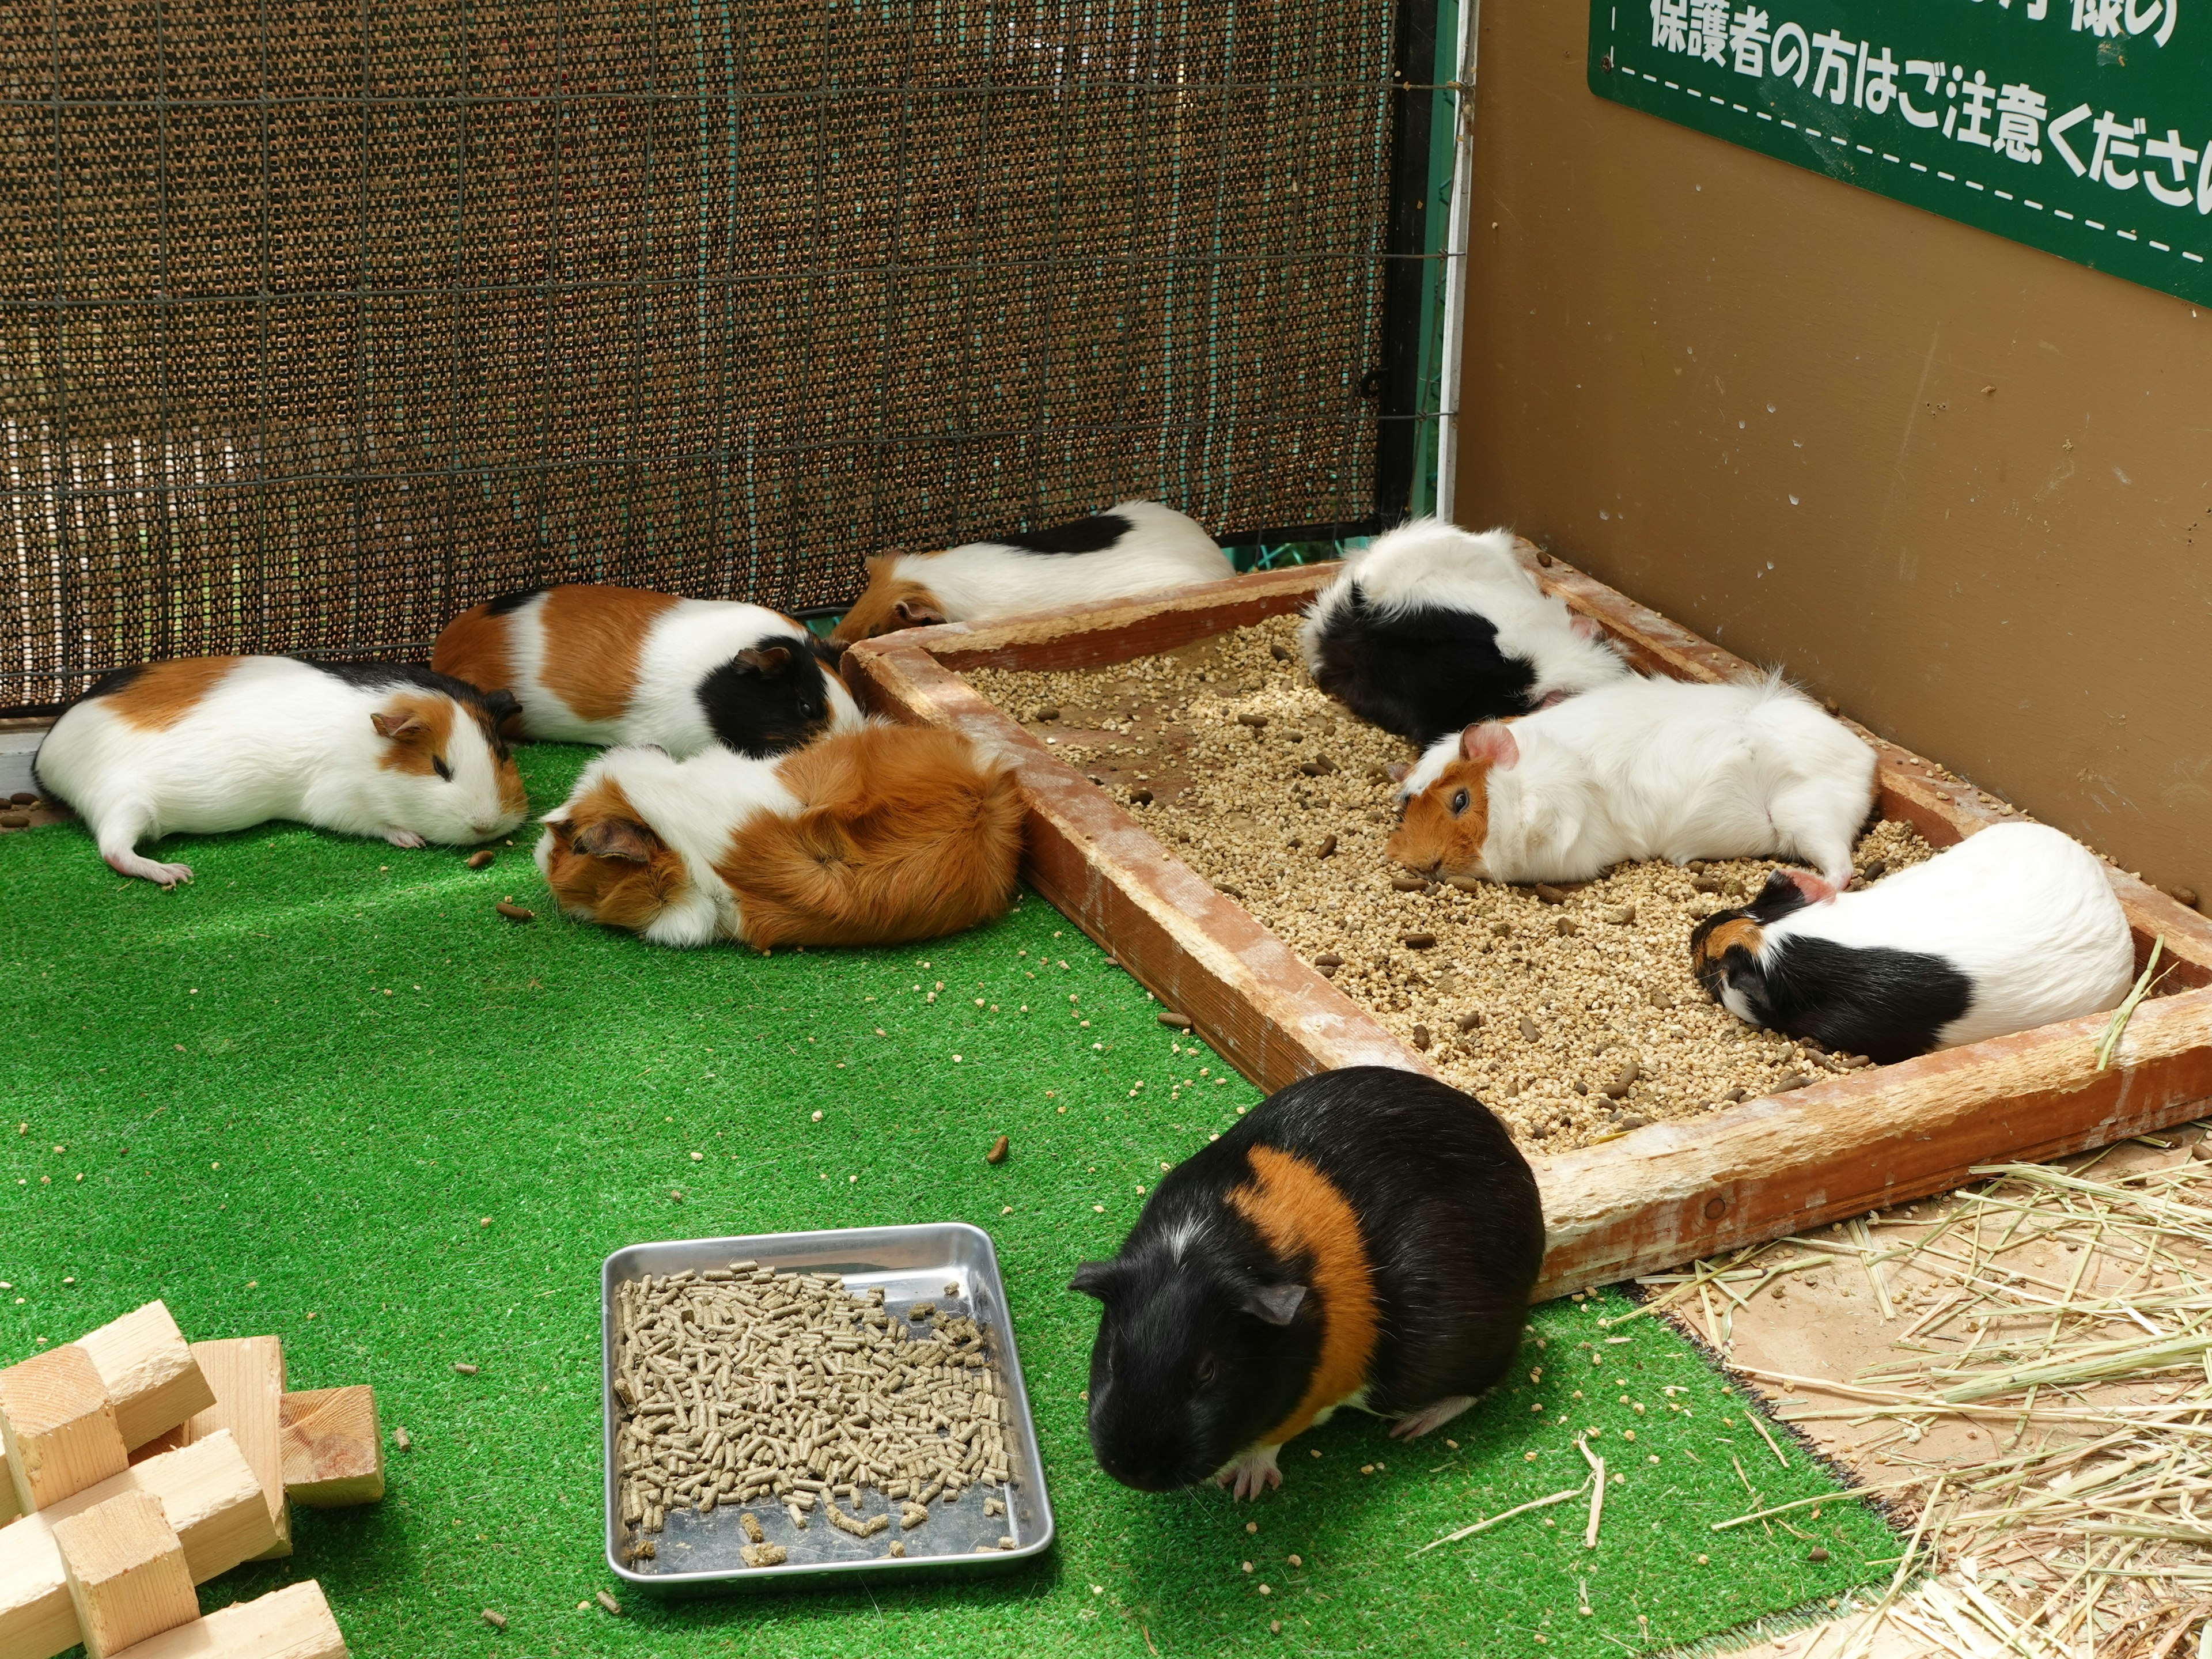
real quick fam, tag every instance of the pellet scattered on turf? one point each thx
(514, 911)
(998, 1152)
(481, 860)
(740, 1384)
(1604, 966)
(403, 1440)
(607, 1602)
(496, 1620)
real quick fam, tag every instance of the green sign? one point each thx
(2081, 127)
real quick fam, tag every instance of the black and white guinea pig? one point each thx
(205, 744)
(1366, 1237)
(1430, 629)
(2014, 927)
(1138, 547)
(594, 663)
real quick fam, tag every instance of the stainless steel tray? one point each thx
(912, 1264)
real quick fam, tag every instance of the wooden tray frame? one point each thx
(1661, 1194)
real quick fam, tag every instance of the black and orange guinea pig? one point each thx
(1366, 1237)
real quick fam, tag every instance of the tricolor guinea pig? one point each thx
(620, 665)
(1643, 768)
(2014, 927)
(1366, 1237)
(874, 835)
(1138, 547)
(1430, 629)
(211, 743)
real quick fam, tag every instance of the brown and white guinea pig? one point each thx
(2014, 927)
(1641, 769)
(875, 836)
(1138, 547)
(1366, 1237)
(1430, 629)
(602, 664)
(210, 744)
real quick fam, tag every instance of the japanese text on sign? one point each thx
(2084, 127)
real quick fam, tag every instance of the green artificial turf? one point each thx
(325, 1092)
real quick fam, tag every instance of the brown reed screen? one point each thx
(320, 319)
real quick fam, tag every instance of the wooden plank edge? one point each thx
(1672, 1192)
(1267, 1012)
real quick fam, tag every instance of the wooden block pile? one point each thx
(134, 1466)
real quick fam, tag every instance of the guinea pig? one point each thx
(210, 744)
(1430, 629)
(1138, 547)
(2014, 927)
(875, 836)
(1366, 1237)
(1644, 769)
(620, 665)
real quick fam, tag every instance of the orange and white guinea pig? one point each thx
(590, 664)
(875, 836)
(210, 744)
(1138, 547)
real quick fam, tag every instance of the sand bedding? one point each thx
(1572, 1013)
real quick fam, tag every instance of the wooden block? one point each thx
(213, 1501)
(58, 1426)
(333, 1447)
(150, 1376)
(125, 1568)
(247, 1376)
(150, 1373)
(292, 1623)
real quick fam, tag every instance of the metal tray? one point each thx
(912, 1264)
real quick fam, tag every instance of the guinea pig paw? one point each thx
(403, 838)
(161, 875)
(1252, 1473)
(1818, 890)
(1413, 1425)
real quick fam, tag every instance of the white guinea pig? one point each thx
(592, 664)
(1430, 629)
(1644, 769)
(2013, 928)
(1138, 547)
(205, 744)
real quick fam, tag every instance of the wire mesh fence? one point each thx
(320, 321)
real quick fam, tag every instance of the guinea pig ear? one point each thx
(917, 613)
(616, 838)
(503, 706)
(1584, 628)
(404, 726)
(1397, 769)
(769, 662)
(1097, 1279)
(829, 652)
(1492, 742)
(1277, 1304)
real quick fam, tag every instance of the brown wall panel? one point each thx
(1962, 486)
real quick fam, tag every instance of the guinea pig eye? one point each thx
(438, 763)
(1205, 1370)
(1458, 802)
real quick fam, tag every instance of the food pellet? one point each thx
(739, 1386)
(998, 1152)
(763, 1555)
(496, 1620)
(608, 1602)
(402, 1439)
(465, 1368)
(481, 860)
(514, 911)
(1525, 992)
